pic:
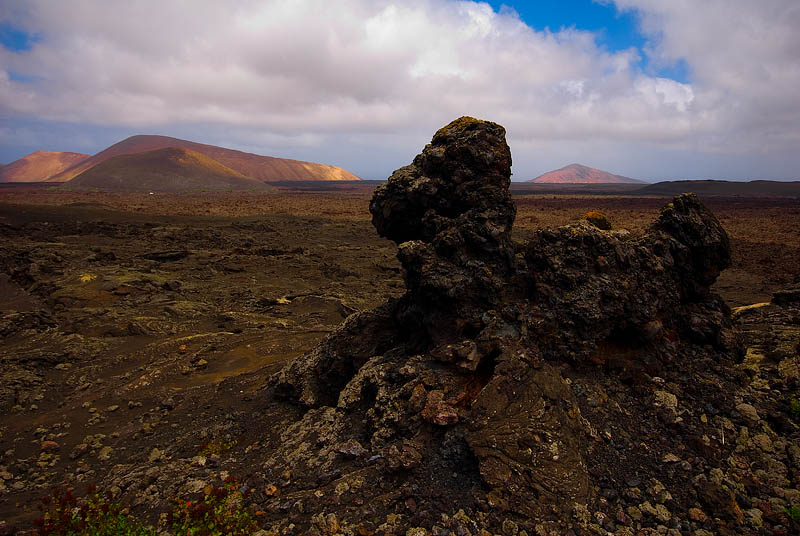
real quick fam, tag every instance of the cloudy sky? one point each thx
(644, 88)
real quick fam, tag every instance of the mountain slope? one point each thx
(170, 169)
(577, 173)
(39, 166)
(263, 168)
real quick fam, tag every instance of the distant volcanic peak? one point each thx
(39, 166)
(262, 168)
(166, 169)
(578, 173)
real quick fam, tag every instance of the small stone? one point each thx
(155, 455)
(112, 408)
(763, 442)
(79, 450)
(634, 513)
(662, 513)
(670, 458)
(351, 448)
(332, 524)
(195, 486)
(748, 412)
(64, 366)
(665, 399)
(510, 528)
(50, 446)
(202, 363)
(695, 514)
(753, 517)
(647, 508)
(151, 475)
(105, 453)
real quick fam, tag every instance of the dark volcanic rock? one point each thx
(461, 383)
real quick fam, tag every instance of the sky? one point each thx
(648, 89)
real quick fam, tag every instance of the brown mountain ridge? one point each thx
(39, 166)
(168, 169)
(262, 168)
(580, 174)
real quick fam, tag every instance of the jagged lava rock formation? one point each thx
(479, 387)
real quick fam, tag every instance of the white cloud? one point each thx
(744, 62)
(377, 71)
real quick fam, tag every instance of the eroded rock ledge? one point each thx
(479, 386)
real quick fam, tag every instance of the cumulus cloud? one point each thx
(744, 64)
(381, 72)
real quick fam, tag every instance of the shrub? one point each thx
(220, 512)
(95, 515)
(794, 408)
(794, 514)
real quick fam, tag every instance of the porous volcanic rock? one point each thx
(478, 384)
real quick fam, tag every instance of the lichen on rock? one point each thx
(462, 383)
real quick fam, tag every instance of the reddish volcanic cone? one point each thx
(39, 166)
(579, 174)
(262, 168)
(172, 169)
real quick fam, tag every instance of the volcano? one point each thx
(39, 166)
(169, 169)
(580, 174)
(262, 168)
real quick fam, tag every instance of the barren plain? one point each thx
(138, 331)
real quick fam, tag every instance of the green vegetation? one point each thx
(220, 512)
(794, 408)
(95, 515)
(794, 514)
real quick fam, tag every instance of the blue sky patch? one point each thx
(614, 30)
(15, 39)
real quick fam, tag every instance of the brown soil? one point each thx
(136, 321)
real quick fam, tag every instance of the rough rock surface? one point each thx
(485, 376)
